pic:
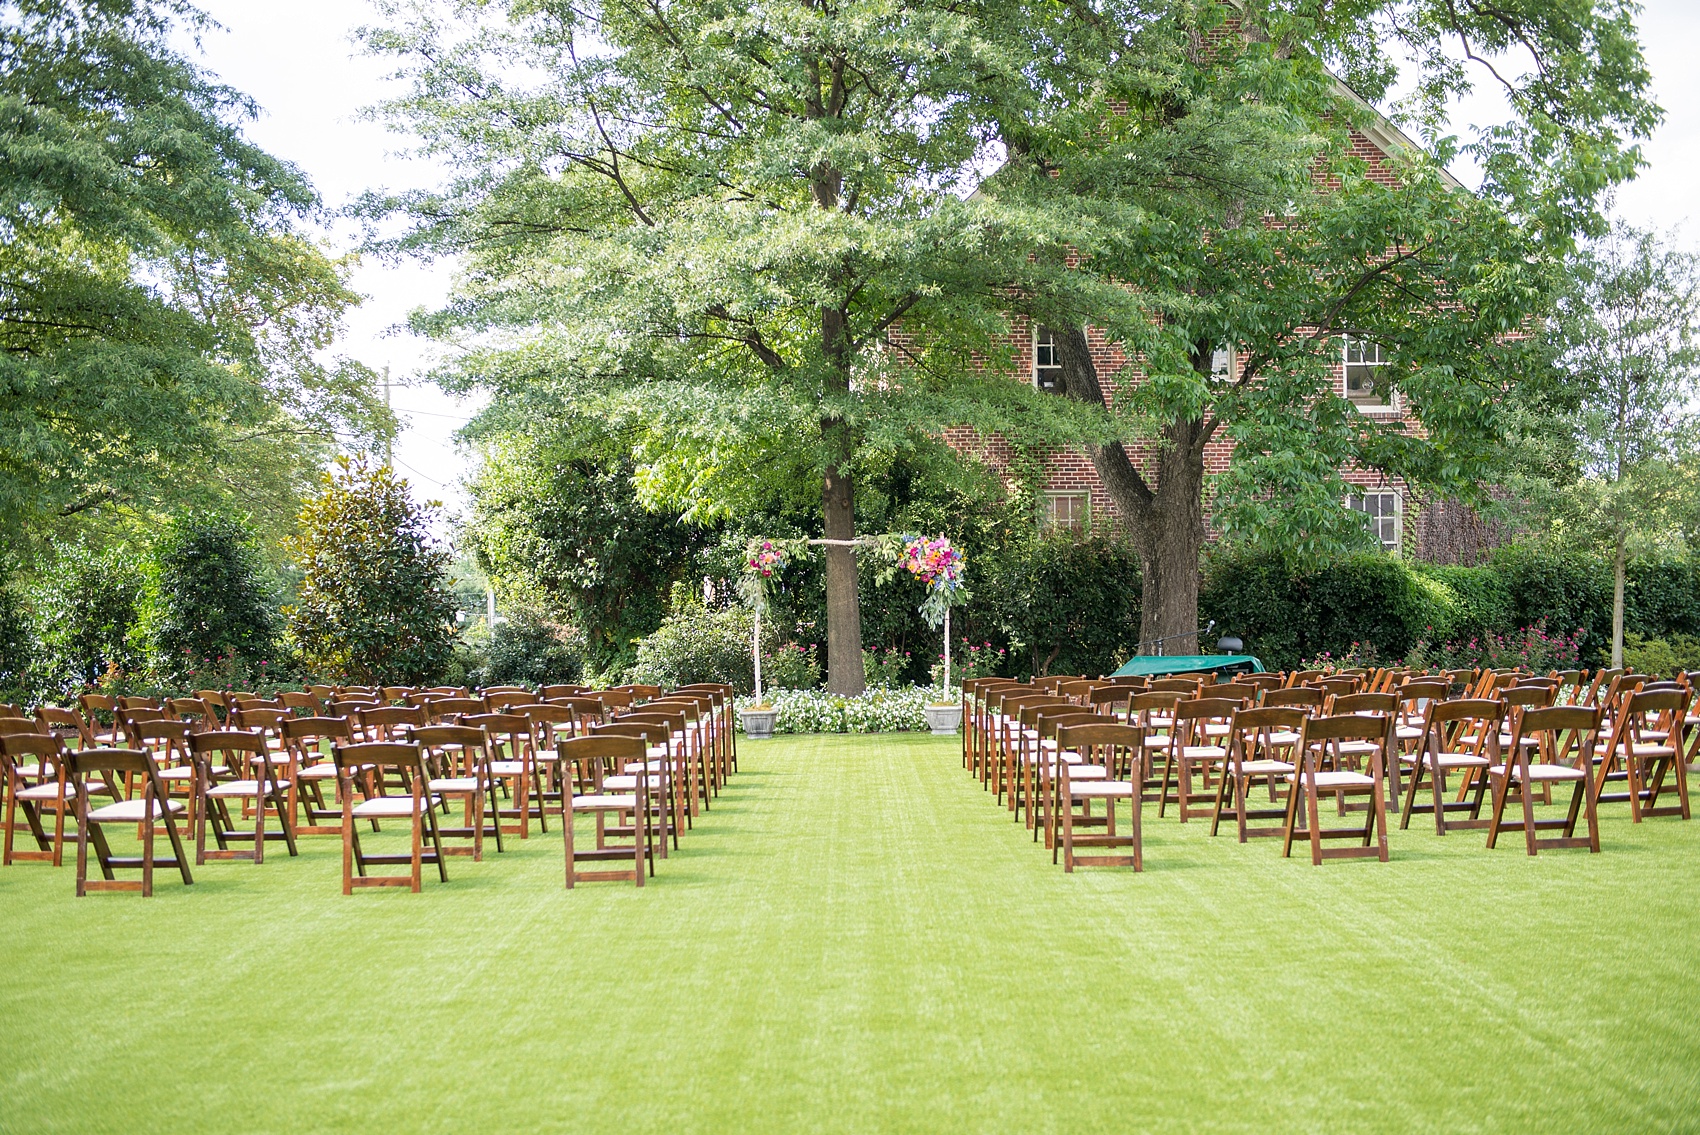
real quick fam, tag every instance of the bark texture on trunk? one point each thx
(1619, 569)
(844, 674)
(843, 601)
(1166, 521)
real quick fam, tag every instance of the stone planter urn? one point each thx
(943, 720)
(758, 723)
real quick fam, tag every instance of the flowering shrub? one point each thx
(1358, 654)
(884, 667)
(876, 711)
(792, 667)
(971, 660)
(1529, 648)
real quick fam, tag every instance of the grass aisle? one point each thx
(857, 939)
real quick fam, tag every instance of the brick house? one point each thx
(1075, 498)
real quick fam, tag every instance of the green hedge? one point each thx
(1285, 616)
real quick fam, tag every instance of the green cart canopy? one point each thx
(1156, 664)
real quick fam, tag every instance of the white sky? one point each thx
(299, 62)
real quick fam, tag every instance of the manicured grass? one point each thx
(857, 939)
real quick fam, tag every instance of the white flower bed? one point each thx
(876, 711)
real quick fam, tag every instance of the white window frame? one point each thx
(1082, 523)
(1054, 366)
(1393, 520)
(1368, 401)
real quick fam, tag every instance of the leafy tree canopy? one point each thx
(163, 309)
(375, 606)
(785, 237)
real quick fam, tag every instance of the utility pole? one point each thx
(389, 427)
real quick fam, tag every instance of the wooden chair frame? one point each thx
(1310, 780)
(417, 807)
(150, 808)
(1564, 734)
(594, 753)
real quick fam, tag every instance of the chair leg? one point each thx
(1068, 835)
(567, 838)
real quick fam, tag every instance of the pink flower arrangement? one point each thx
(934, 562)
(767, 559)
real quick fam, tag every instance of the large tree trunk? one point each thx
(1166, 522)
(1619, 569)
(844, 673)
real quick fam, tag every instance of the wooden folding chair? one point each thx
(235, 748)
(513, 766)
(1461, 736)
(1109, 749)
(582, 764)
(1563, 734)
(699, 725)
(1645, 746)
(416, 805)
(549, 724)
(988, 711)
(1153, 713)
(458, 758)
(664, 795)
(1048, 754)
(444, 709)
(93, 770)
(687, 766)
(562, 690)
(665, 773)
(66, 724)
(1014, 734)
(1261, 741)
(106, 725)
(313, 768)
(723, 696)
(36, 777)
(506, 700)
(1320, 771)
(1193, 749)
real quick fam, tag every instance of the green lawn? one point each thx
(857, 939)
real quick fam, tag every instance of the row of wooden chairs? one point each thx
(637, 761)
(1377, 735)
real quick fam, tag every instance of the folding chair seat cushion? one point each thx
(325, 771)
(184, 772)
(1203, 752)
(1283, 737)
(1100, 789)
(1356, 748)
(1081, 771)
(132, 811)
(507, 768)
(1339, 779)
(1541, 772)
(593, 801)
(381, 806)
(1448, 760)
(454, 784)
(1263, 766)
(52, 791)
(233, 788)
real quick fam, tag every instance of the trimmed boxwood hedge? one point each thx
(1287, 615)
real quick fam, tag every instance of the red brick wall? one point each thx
(1071, 470)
